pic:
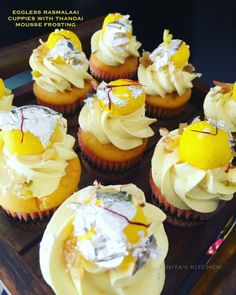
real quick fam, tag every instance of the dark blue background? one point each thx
(209, 27)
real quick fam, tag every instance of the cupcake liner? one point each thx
(105, 165)
(109, 76)
(176, 216)
(72, 121)
(66, 109)
(106, 177)
(160, 112)
(30, 216)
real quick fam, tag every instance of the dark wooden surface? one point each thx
(219, 277)
(19, 242)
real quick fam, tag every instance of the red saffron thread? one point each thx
(206, 132)
(114, 86)
(129, 221)
(62, 36)
(21, 125)
(109, 98)
(122, 85)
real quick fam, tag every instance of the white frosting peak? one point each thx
(124, 131)
(116, 43)
(187, 187)
(220, 106)
(56, 76)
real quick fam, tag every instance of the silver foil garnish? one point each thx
(107, 248)
(65, 49)
(162, 54)
(220, 124)
(116, 33)
(104, 93)
(38, 120)
(196, 119)
(99, 228)
(89, 100)
(145, 251)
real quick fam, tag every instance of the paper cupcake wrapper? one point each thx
(67, 109)
(41, 215)
(106, 177)
(176, 216)
(109, 76)
(72, 121)
(165, 113)
(105, 165)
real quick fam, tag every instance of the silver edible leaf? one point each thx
(105, 94)
(38, 120)
(99, 228)
(107, 247)
(220, 124)
(144, 251)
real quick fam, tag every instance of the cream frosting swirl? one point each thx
(29, 176)
(6, 101)
(164, 80)
(123, 131)
(187, 187)
(116, 43)
(53, 75)
(81, 276)
(166, 69)
(220, 106)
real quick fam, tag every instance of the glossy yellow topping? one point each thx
(129, 102)
(57, 134)
(112, 18)
(56, 36)
(26, 143)
(21, 143)
(182, 54)
(2, 88)
(128, 262)
(180, 58)
(234, 92)
(204, 146)
(132, 231)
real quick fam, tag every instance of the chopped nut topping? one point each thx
(181, 128)
(164, 131)
(170, 143)
(229, 166)
(188, 68)
(70, 251)
(145, 59)
(225, 87)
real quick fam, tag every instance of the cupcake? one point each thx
(192, 174)
(167, 77)
(60, 72)
(220, 104)
(39, 168)
(6, 98)
(105, 240)
(114, 49)
(113, 130)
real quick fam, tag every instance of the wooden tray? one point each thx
(19, 242)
